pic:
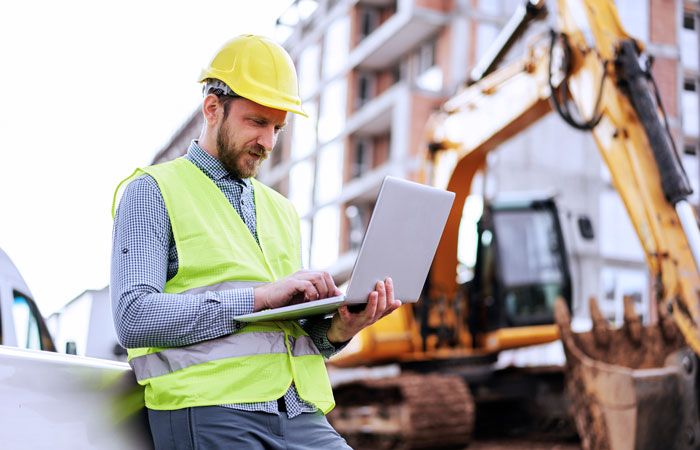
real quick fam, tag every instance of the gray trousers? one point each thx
(216, 427)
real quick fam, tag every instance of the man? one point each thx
(187, 259)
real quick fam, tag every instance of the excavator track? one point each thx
(410, 411)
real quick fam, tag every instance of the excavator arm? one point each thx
(612, 93)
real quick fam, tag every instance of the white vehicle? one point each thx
(58, 401)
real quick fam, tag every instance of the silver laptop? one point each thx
(400, 242)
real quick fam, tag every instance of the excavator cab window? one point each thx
(521, 266)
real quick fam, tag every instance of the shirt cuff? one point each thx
(236, 302)
(318, 331)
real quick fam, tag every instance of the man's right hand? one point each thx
(299, 287)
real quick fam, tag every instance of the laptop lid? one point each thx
(400, 242)
(401, 239)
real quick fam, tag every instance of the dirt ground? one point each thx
(513, 444)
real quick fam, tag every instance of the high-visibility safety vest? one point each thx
(216, 251)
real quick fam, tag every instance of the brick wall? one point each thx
(384, 80)
(355, 35)
(380, 150)
(351, 93)
(422, 106)
(440, 5)
(443, 58)
(662, 23)
(472, 38)
(665, 71)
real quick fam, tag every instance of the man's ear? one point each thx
(212, 109)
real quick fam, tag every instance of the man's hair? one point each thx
(222, 92)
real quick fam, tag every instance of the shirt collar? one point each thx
(211, 166)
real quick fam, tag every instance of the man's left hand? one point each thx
(381, 302)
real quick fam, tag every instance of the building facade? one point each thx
(84, 326)
(371, 72)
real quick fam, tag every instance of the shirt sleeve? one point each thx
(144, 316)
(317, 330)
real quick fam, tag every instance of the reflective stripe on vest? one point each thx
(239, 344)
(235, 345)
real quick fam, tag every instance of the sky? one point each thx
(90, 90)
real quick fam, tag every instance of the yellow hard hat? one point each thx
(258, 69)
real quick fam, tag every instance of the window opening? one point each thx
(369, 21)
(358, 218)
(365, 88)
(426, 56)
(362, 158)
(688, 22)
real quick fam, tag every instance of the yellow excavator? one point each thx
(633, 387)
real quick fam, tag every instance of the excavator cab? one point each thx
(521, 269)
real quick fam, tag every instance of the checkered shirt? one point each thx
(144, 257)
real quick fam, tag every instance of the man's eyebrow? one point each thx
(266, 120)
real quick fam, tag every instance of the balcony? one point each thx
(375, 116)
(399, 34)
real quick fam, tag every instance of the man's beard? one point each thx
(233, 158)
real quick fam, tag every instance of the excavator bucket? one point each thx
(631, 388)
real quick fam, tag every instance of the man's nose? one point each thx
(267, 138)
